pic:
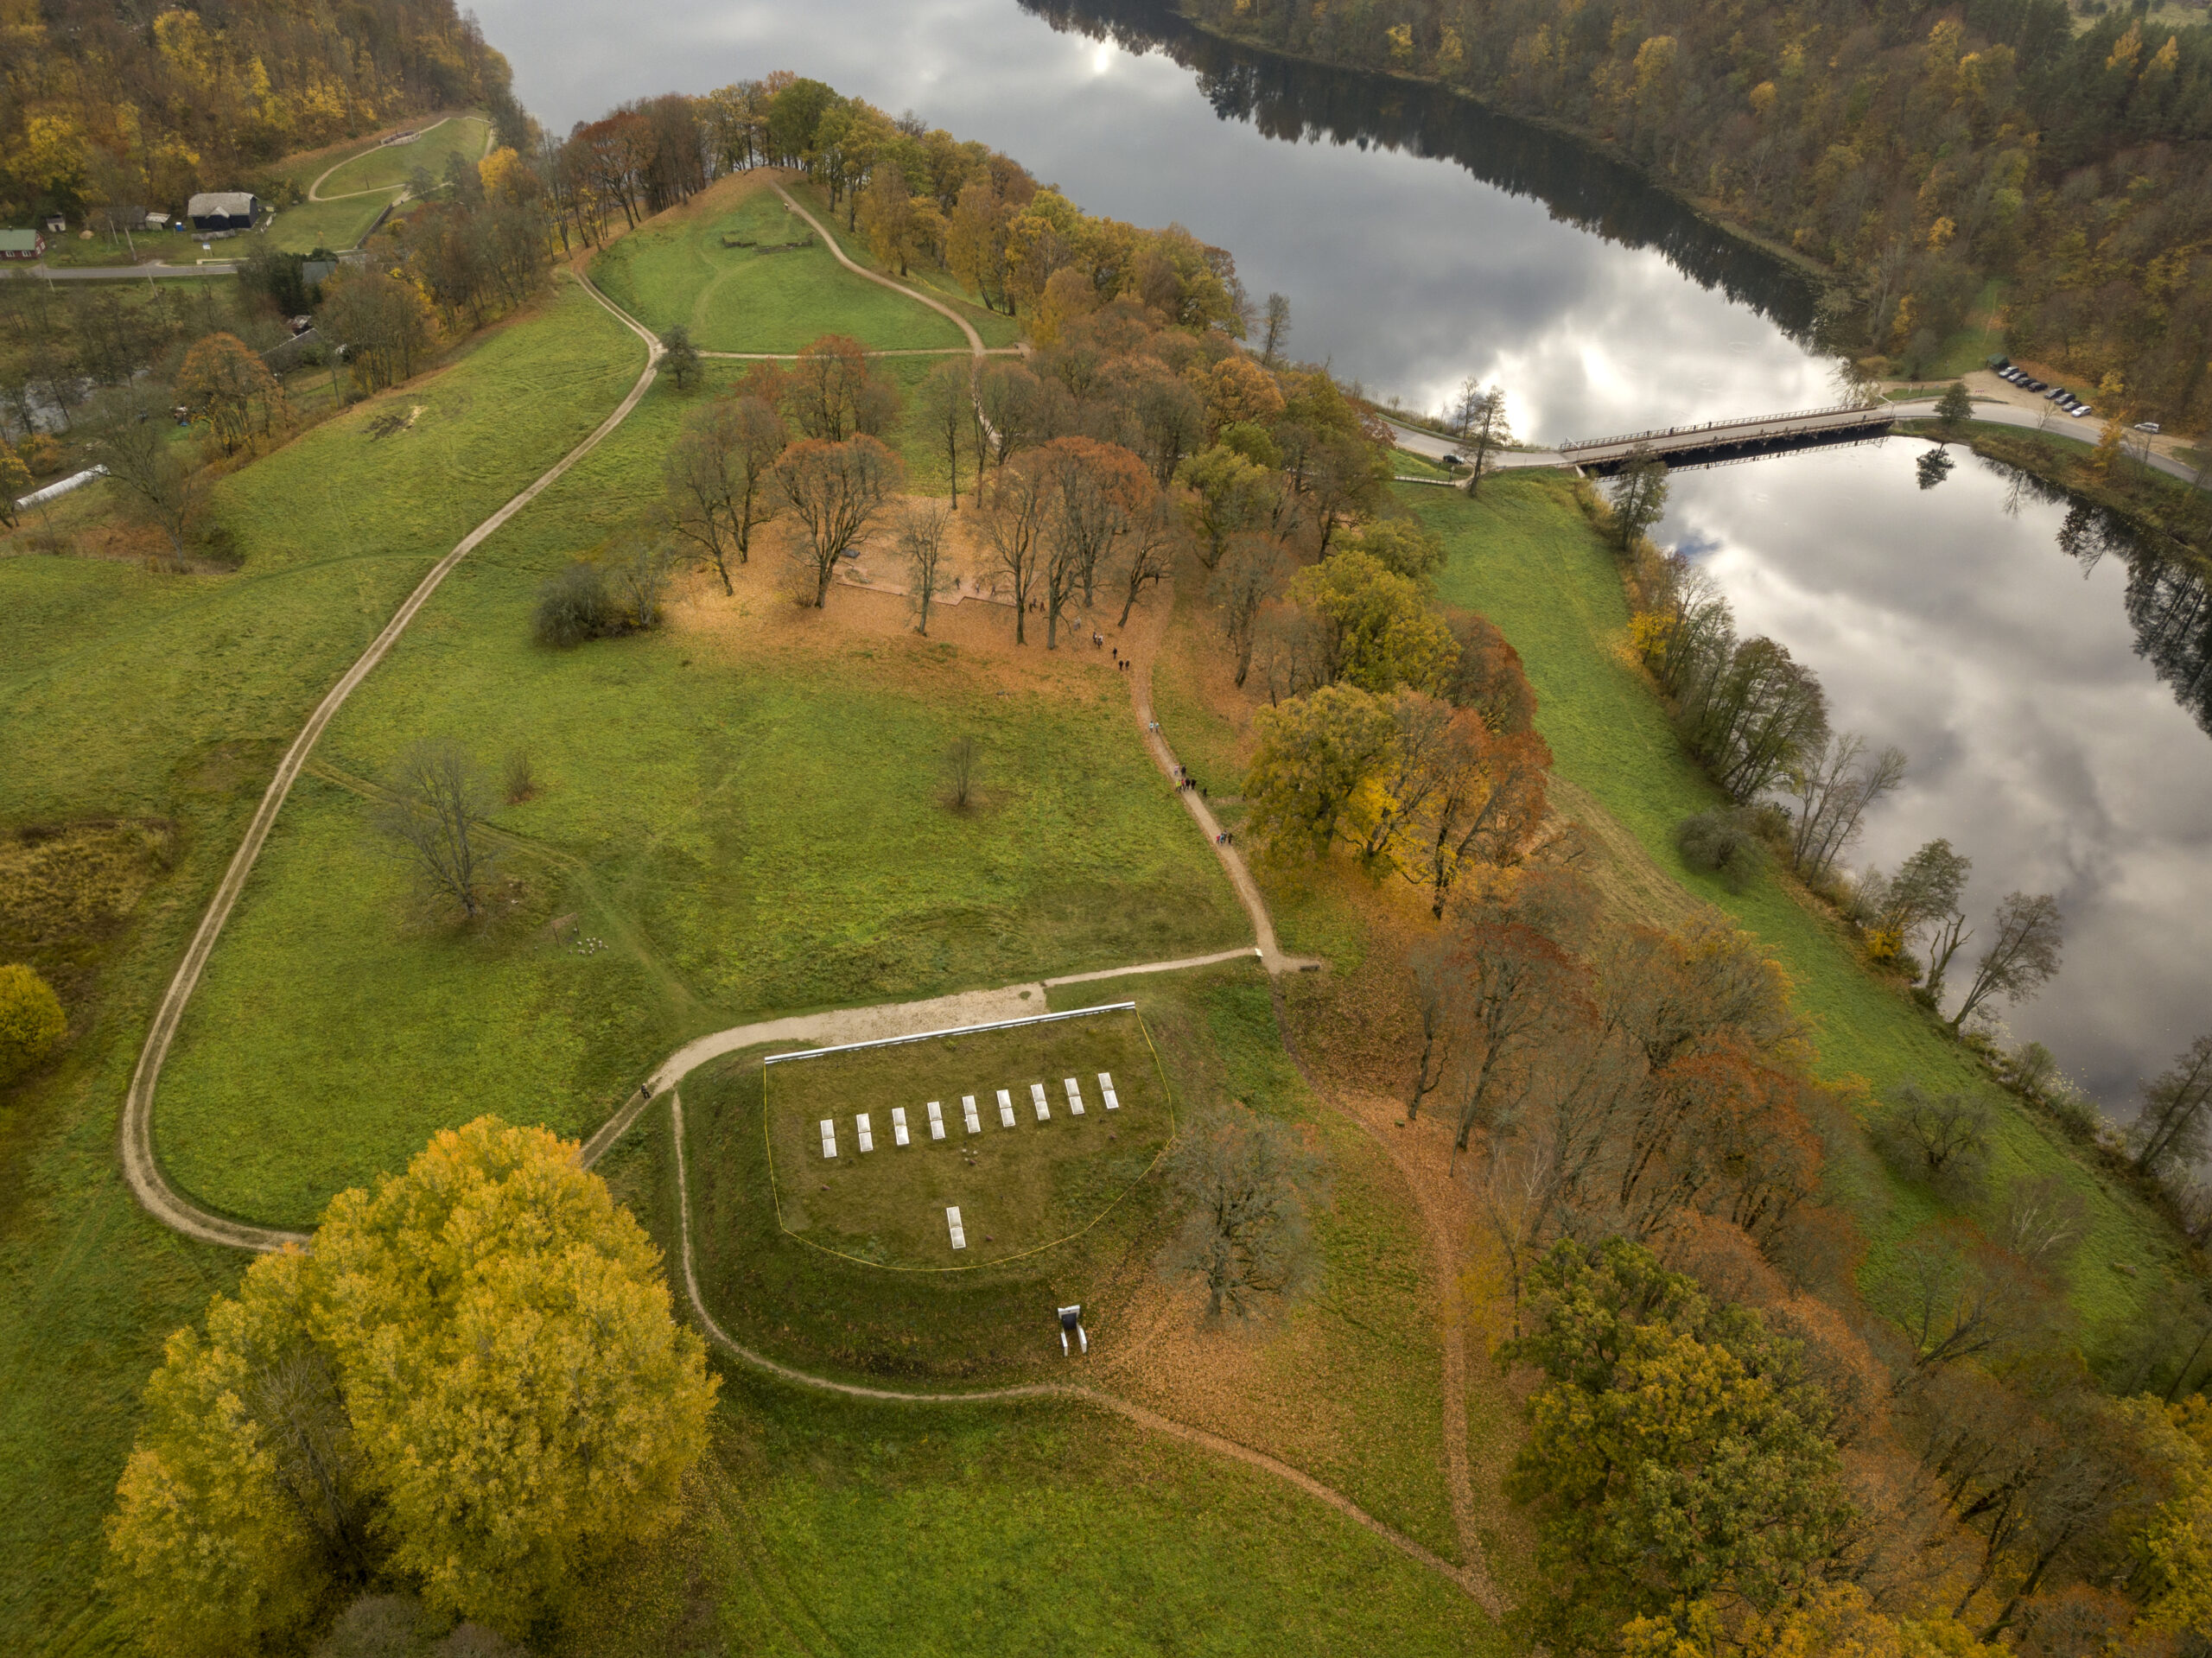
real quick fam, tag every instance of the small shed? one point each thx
(156, 221)
(223, 210)
(21, 245)
(55, 224)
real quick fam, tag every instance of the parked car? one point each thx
(2080, 410)
(2150, 426)
(2033, 385)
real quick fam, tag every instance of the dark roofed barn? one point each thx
(223, 210)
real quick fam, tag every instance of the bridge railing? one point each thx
(1634, 438)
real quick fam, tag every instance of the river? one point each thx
(1421, 240)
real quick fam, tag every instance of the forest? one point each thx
(115, 108)
(1936, 159)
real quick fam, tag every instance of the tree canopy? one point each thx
(471, 1381)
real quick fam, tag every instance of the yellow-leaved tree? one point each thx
(31, 1020)
(471, 1381)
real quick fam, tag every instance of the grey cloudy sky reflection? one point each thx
(2041, 744)
(1406, 273)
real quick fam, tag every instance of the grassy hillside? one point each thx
(772, 296)
(746, 807)
(124, 693)
(364, 185)
(1524, 555)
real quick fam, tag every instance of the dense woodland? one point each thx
(117, 107)
(1919, 149)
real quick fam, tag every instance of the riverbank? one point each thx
(1524, 555)
(2176, 515)
(1704, 209)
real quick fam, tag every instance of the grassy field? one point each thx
(126, 694)
(364, 185)
(1020, 1186)
(744, 812)
(384, 167)
(995, 328)
(773, 297)
(746, 806)
(1346, 1387)
(336, 226)
(1524, 555)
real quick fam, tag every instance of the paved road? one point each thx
(123, 273)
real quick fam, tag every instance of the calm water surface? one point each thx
(1420, 241)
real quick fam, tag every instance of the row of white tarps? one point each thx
(970, 1116)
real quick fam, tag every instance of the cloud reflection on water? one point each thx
(2042, 743)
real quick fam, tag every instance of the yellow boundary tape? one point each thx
(775, 1194)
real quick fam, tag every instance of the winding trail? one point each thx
(314, 190)
(1144, 652)
(142, 1171)
(1475, 1585)
(140, 1167)
(976, 346)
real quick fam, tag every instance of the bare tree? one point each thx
(962, 761)
(1243, 1182)
(946, 407)
(921, 544)
(1148, 553)
(1945, 1138)
(1251, 576)
(1460, 414)
(1021, 498)
(720, 475)
(2171, 1131)
(2022, 958)
(137, 445)
(1835, 785)
(836, 490)
(1274, 329)
(436, 799)
(2043, 1219)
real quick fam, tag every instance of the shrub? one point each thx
(573, 605)
(1722, 843)
(31, 1019)
(591, 601)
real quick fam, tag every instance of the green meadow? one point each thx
(363, 186)
(1347, 1386)
(777, 294)
(1019, 1185)
(749, 829)
(127, 694)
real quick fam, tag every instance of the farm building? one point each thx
(223, 210)
(21, 245)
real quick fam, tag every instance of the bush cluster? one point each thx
(590, 600)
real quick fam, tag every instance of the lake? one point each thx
(1421, 240)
